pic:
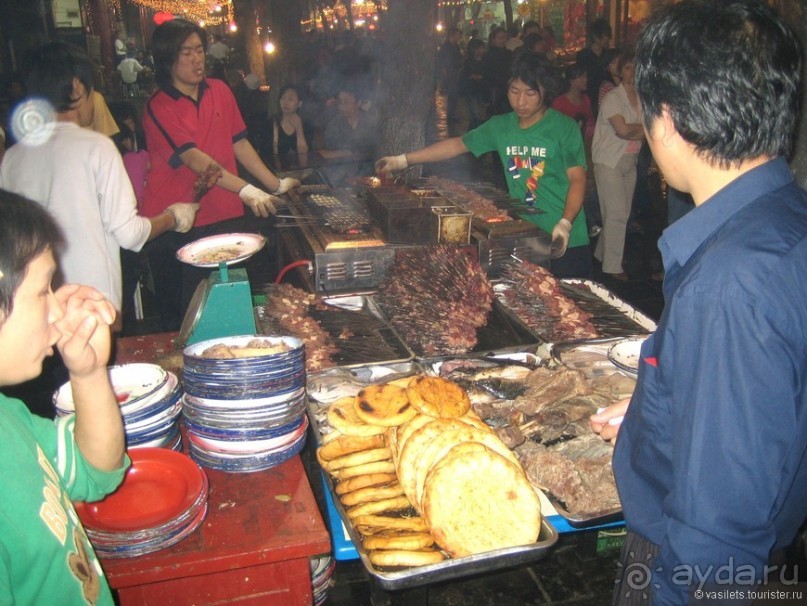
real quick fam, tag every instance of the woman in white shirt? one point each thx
(618, 136)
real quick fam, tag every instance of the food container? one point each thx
(409, 218)
(407, 577)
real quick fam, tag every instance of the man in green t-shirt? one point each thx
(543, 157)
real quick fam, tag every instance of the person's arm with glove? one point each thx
(574, 202)
(442, 150)
(258, 201)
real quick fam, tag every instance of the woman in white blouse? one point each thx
(618, 136)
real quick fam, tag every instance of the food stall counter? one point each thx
(254, 545)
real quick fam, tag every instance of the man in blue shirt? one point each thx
(711, 460)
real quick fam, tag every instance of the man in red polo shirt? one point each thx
(192, 122)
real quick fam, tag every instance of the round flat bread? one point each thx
(342, 445)
(342, 416)
(359, 458)
(408, 428)
(408, 457)
(367, 468)
(398, 557)
(409, 541)
(436, 449)
(371, 493)
(437, 397)
(391, 436)
(372, 524)
(371, 479)
(499, 507)
(386, 405)
(374, 507)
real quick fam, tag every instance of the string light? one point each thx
(209, 12)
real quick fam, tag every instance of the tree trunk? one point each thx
(407, 81)
(245, 16)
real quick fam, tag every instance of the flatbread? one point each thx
(367, 468)
(386, 405)
(371, 493)
(374, 507)
(436, 449)
(342, 416)
(342, 445)
(437, 397)
(373, 524)
(399, 557)
(409, 541)
(371, 479)
(359, 458)
(499, 507)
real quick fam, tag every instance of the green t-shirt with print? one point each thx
(535, 161)
(45, 556)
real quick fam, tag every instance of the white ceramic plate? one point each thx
(224, 248)
(625, 354)
(132, 383)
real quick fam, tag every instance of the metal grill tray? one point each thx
(453, 568)
(611, 316)
(372, 340)
(416, 576)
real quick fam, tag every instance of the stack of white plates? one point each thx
(245, 414)
(322, 569)
(150, 402)
(162, 500)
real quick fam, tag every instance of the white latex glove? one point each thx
(184, 215)
(286, 184)
(258, 200)
(391, 164)
(560, 238)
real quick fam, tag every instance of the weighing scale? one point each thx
(221, 306)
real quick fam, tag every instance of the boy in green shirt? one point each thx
(543, 156)
(45, 556)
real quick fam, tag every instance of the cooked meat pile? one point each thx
(535, 296)
(543, 415)
(479, 205)
(288, 307)
(436, 298)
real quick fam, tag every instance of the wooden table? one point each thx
(253, 547)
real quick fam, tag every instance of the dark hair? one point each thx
(599, 28)
(166, 43)
(26, 231)
(473, 44)
(531, 24)
(575, 70)
(50, 70)
(729, 71)
(539, 74)
(626, 56)
(530, 40)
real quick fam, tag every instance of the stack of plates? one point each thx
(150, 402)
(322, 569)
(245, 414)
(162, 500)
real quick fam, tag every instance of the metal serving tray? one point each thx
(611, 316)
(415, 576)
(372, 339)
(452, 568)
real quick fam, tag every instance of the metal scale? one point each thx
(221, 305)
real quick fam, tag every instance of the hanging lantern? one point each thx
(162, 17)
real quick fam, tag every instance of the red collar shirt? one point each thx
(174, 123)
